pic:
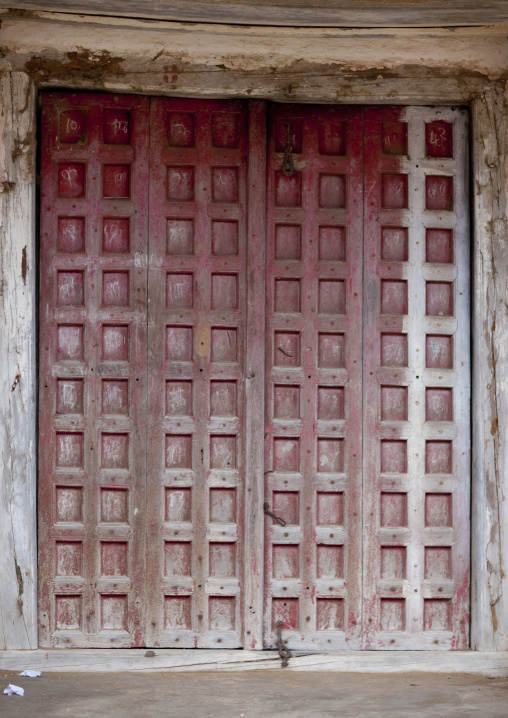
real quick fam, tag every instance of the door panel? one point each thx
(313, 397)
(416, 379)
(92, 470)
(196, 360)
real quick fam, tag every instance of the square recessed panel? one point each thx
(286, 454)
(69, 450)
(223, 452)
(439, 246)
(286, 349)
(225, 130)
(224, 238)
(438, 457)
(224, 344)
(177, 613)
(394, 350)
(115, 289)
(394, 191)
(180, 184)
(114, 614)
(332, 137)
(114, 558)
(69, 396)
(285, 561)
(225, 187)
(437, 614)
(71, 234)
(179, 290)
(286, 401)
(330, 614)
(116, 181)
(180, 128)
(394, 138)
(332, 191)
(72, 128)
(392, 614)
(394, 244)
(393, 456)
(115, 451)
(224, 292)
(115, 235)
(71, 180)
(285, 504)
(180, 236)
(438, 351)
(69, 558)
(394, 403)
(177, 505)
(438, 562)
(331, 403)
(439, 404)
(177, 558)
(221, 559)
(288, 242)
(288, 190)
(330, 561)
(439, 299)
(68, 612)
(178, 451)
(394, 296)
(439, 139)
(438, 192)
(280, 131)
(393, 508)
(178, 343)
(114, 505)
(223, 506)
(331, 351)
(330, 455)
(69, 504)
(285, 614)
(393, 562)
(70, 341)
(330, 508)
(331, 296)
(223, 398)
(178, 398)
(222, 613)
(438, 510)
(115, 342)
(117, 127)
(332, 244)
(287, 296)
(115, 396)
(70, 289)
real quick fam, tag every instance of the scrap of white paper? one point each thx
(30, 674)
(11, 689)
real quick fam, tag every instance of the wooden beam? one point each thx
(296, 13)
(18, 381)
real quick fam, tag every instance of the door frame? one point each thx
(18, 411)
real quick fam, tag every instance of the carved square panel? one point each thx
(223, 398)
(286, 401)
(438, 457)
(224, 344)
(117, 127)
(438, 510)
(394, 350)
(288, 190)
(179, 290)
(70, 341)
(69, 558)
(180, 127)
(393, 456)
(115, 396)
(439, 299)
(224, 292)
(223, 452)
(332, 244)
(330, 508)
(285, 561)
(69, 396)
(114, 558)
(286, 454)
(280, 131)
(223, 506)
(437, 614)
(439, 139)
(68, 612)
(393, 507)
(225, 130)
(222, 613)
(287, 295)
(178, 451)
(332, 137)
(113, 613)
(69, 504)
(330, 455)
(331, 296)
(221, 560)
(439, 246)
(178, 505)
(178, 343)
(115, 342)
(331, 403)
(439, 351)
(392, 614)
(438, 404)
(71, 234)
(180, 184)
(177, 558)
(115, 235)
(330, 561)
(285, 611)
(180, 236)
(225, 184)
(394, 401)
(330, 614)
(69, 450)
(115, 289)
(438, 562)
(394, 244)
(114, 505)
(394, 138)
(439, 192)
(393, 562)
(71, 180)
(288, 242)
(332, 191)
(179, 398)
(116, 181)
(394, 296)
(394, 191)
(224, 238)
(115, 451)
(286, 349)
(72, 128)
(177, 613)
(331, 350)
(286, 505)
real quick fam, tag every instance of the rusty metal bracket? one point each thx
(284, 651)
(266, 509)
(288, 167)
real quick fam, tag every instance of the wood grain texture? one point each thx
(342, 13)
(18, 557)
(490, 375)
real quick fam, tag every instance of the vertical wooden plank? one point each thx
(416, 380)
(255, 377)
(313, 378)
(92, 467)
(18, 557)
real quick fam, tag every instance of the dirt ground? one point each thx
(254, 694)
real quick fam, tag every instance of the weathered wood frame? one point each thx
(18, 325)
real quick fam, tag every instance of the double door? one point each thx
(249, 310)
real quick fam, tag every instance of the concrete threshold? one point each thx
(489, 664)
